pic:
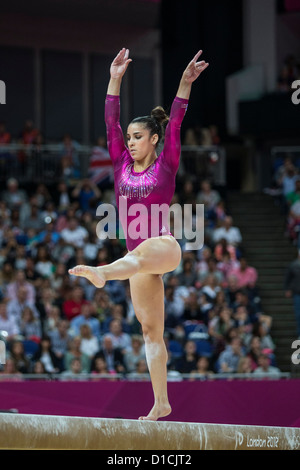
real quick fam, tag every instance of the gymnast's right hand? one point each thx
(120, 64)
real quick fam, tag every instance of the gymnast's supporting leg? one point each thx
(144, 267)
(147, 294)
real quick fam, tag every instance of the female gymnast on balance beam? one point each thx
(141, 176)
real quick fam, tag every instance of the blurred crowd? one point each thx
(54, 323)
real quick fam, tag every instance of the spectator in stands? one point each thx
(43, 262)
(294, 196)
(47, 356)
(136, 354)
(100, 367)
(10, 368)
(209, 197)
(244, 365)
(113, 356)
(86, 191)
(231, 233)
(5, 136)
(89, 342)
(19, 283)
(30, 325)
(224, 249)
(246, 275)
(229, 359)
(188, 361)
(192, 308)
(119, 339)
(202, 368)
(8, 323)
(265, 369)
(254, 351)
(75, 372)
(15, 307)
(188, 276)
(86, 317)
(293, 225)
(75, 234)
(60, 338)
(69, 155)
(219, 326)
(13, 196)
(74, 352)
(292, 287)
(72, 306)
(17, 353)
(34, 219)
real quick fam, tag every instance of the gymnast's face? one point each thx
(140, 143)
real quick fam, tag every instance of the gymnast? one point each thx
(141, 176)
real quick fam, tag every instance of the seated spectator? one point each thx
(188, 276)
(60, 337)
(264, 368)
(294, 196)
(17, 353)
(8, 323)
(30, 325)
(229, 359)
(72, 307)
(294, 221)
(74, 234)
(225, 266)
(209, 197)
(13, 196)
(75, 372)
(74, 352)
(10, 368)
(43, 262)
(188, 361)
(116, 312)
(86, 317)
(219, 326)
(254, 351)
(192, 307)
(223, 248)
(45, 302)
(244, 365)
(211, 286)
(47, 356)
(70, 164)
(89, 342)
(86, 191)
(100, 367)
(231, 233)
(246, 275)
(38, 368)
(212, 269)
(49, 236)
(137, 353)
(16, 307)
(202, 368)
(119, 339)
(242, 323)
(114, 357)
(21, 282)
(141, 371)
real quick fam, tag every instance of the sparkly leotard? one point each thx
(150, 188)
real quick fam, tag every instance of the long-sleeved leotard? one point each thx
(152, 188)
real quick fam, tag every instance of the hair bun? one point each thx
(160, 115)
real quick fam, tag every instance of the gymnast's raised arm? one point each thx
(172, 145)
(115, 139)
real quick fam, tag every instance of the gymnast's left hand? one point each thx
(194, 69)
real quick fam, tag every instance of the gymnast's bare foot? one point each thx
(158, 411)
(94, 275)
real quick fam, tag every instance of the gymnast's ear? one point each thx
(154, 139)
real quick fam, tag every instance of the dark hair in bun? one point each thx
(155, 123)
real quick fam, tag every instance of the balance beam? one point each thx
(21, 431)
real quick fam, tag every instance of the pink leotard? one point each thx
(149, 188)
